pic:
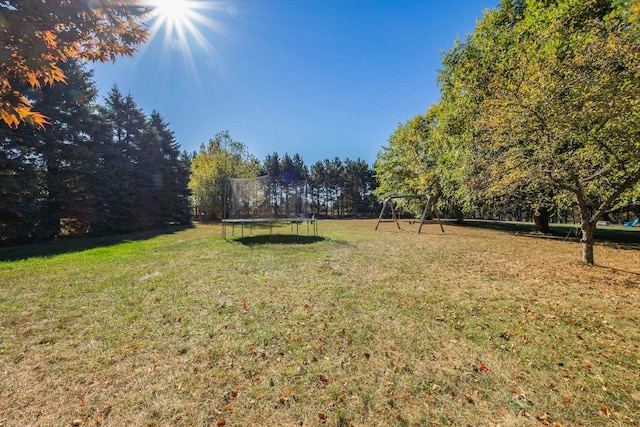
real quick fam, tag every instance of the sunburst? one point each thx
(182, 21)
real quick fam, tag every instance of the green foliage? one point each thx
(543, 98)
(211, 168)
(357, 188)
(405, 166)
(92, 172)
(420, 159)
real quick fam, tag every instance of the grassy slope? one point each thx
(473, 327)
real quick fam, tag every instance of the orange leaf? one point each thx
(482, 367)
(221, 422)
(322, 416)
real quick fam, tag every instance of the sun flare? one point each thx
(182, 22)
(172, 13)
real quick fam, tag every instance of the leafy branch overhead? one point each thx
(38, 35)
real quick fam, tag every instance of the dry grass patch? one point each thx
(473, 327)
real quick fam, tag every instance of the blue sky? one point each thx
(322, 78)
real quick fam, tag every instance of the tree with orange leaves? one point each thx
(37, 35)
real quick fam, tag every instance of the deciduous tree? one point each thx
(222, 158)
(552, 89)
(38, 36)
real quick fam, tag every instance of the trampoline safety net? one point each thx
(267, 197)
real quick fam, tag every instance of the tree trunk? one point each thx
(587, 227)
(587, 242)
(52, 220)
(541, 220)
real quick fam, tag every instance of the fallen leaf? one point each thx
(221, 422)
(519, 395)
(543, 417)
(566, 399)
(322, 416)
(606, 411)
(244, 304)
(482, 367)
(468, 398)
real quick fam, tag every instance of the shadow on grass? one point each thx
(278, 239)
(70, 245)
(625, 238)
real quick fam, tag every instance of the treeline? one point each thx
(538, 116)
(337, 187)
(96, 169)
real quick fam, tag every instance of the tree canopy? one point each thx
(38, 36)
(222, 158)
(538, 108)
(557, 108)
(98, 169)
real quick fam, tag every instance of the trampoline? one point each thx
(268, 201)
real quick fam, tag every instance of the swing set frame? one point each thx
(388, 201)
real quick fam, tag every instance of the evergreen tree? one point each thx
(119, 159)
(44, 170)
(357, 185)
(169, 176)
(69, 108)
(19, 188)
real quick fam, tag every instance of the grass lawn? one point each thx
(472, 327)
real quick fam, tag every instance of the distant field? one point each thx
(476, 326)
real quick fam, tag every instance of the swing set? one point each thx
(388, 201)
